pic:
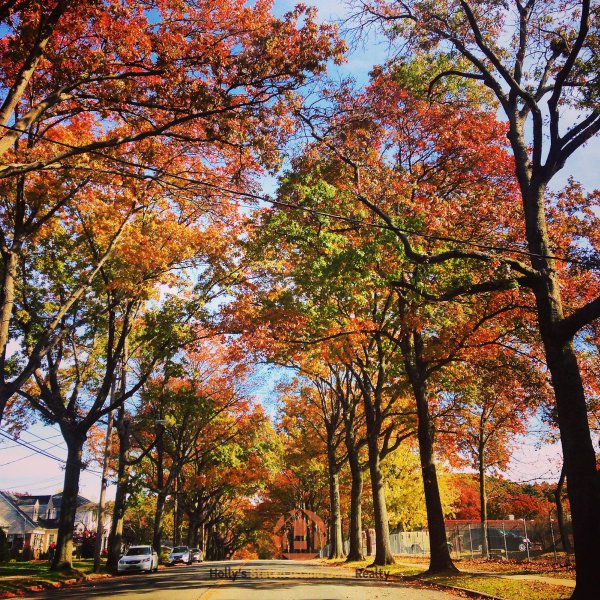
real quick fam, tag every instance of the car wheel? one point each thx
(522, 546)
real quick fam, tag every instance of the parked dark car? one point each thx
(496, 540)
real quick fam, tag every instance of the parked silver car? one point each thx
(197, 555)
(138, 558)
(180, 554)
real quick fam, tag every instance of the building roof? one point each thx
(10, 498)
(20, 501)
(48, 523)
(28, 500)
(57, 500)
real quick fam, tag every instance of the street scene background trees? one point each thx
(423, 288)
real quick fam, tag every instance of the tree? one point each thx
(404, 490)
(187, 417)
(397, 155)
(141, 91)
(497, 397)
(544, 62)
(226, 483)
(139, 519)
(468, 505)
(316, 413)
(355, 441)
(353, 155)
(72, 387)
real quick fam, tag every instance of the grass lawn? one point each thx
(539, 566)
(510, 589)
(17, 576)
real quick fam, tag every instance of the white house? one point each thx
(31, 521)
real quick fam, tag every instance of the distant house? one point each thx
(31, 521)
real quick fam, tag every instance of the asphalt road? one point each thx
(247, 580)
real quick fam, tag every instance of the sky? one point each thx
(23, 470)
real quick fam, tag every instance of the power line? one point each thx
(38, 437)
(28, 483)
(42, 438)
(30, 446)
(282, 203)
(10, 462)
(39, 451)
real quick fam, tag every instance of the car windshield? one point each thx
(137, 551)
(180, 549)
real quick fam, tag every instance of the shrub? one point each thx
(27, 553)
(4, 549)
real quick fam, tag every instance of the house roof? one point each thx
(57, 500)
(10, 498)
(18, 501)
(48, 523)
(28, 500)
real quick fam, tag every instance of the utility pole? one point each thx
(176, 530)
(103, 486)
(116, 530)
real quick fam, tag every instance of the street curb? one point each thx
(463, 591)
(49, 585)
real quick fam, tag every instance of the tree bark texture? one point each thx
(485, 551)
(336, 542)
(383, 548)
(63, 557)
(355, 551)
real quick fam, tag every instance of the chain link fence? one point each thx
(514, 539)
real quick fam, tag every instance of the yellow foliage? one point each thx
(404, 489)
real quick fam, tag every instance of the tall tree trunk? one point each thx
(355, 550)
(485, 551)
(416, 368)
(583, 480)
(158, 520)
(63, 557)
(7, 298)
(383, 548)
(336, 548)
(190, 533)
(102, 500)
(176, 515)
(115, 539)
(440, 560)
(560, 516)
